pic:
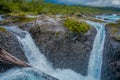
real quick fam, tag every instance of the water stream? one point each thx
(95, 62)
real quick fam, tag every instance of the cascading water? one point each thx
(95, 62)
(39, 61)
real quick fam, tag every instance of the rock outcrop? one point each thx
(10, 43)
(111, 56)
(15, 57)
(63, 48)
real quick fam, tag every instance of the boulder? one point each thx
(63, 48)
(111, 56)
(9, 42)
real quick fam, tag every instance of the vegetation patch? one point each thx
(2, 29)
(16, 18)
(114, 30)
(76, 26)
(22, 19)
(41, 7)
(113, 25)
(118, 21)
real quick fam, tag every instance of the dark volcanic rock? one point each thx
(63, 48)
(10, 43)
(111, 56)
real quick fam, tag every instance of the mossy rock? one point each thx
(96, 20)
(114, 30)
(76, 26)
(116, 36)
(118, 21)
(18, 17)
(3, 29)
(113, 25)
(21, 18)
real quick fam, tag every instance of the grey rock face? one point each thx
(111, 57)
(63, 48)
(10, 43)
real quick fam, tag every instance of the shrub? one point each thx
(76, 26)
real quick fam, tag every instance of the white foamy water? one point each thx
(95, 62)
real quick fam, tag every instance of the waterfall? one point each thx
(95, 62)
(33, 54)
(38, 61)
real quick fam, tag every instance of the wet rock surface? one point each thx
(10, 43)
(63, 48)
(111, 56)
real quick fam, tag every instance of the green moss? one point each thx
(118, 21)
(20, 17)
(2, 29)
(76, 26)
(115, 30)
(112, 25)
(57, 34)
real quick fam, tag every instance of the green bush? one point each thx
(76, 26)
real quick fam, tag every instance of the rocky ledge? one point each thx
(111, 59)
(63, 48)
(10, 43)
(12, 56)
